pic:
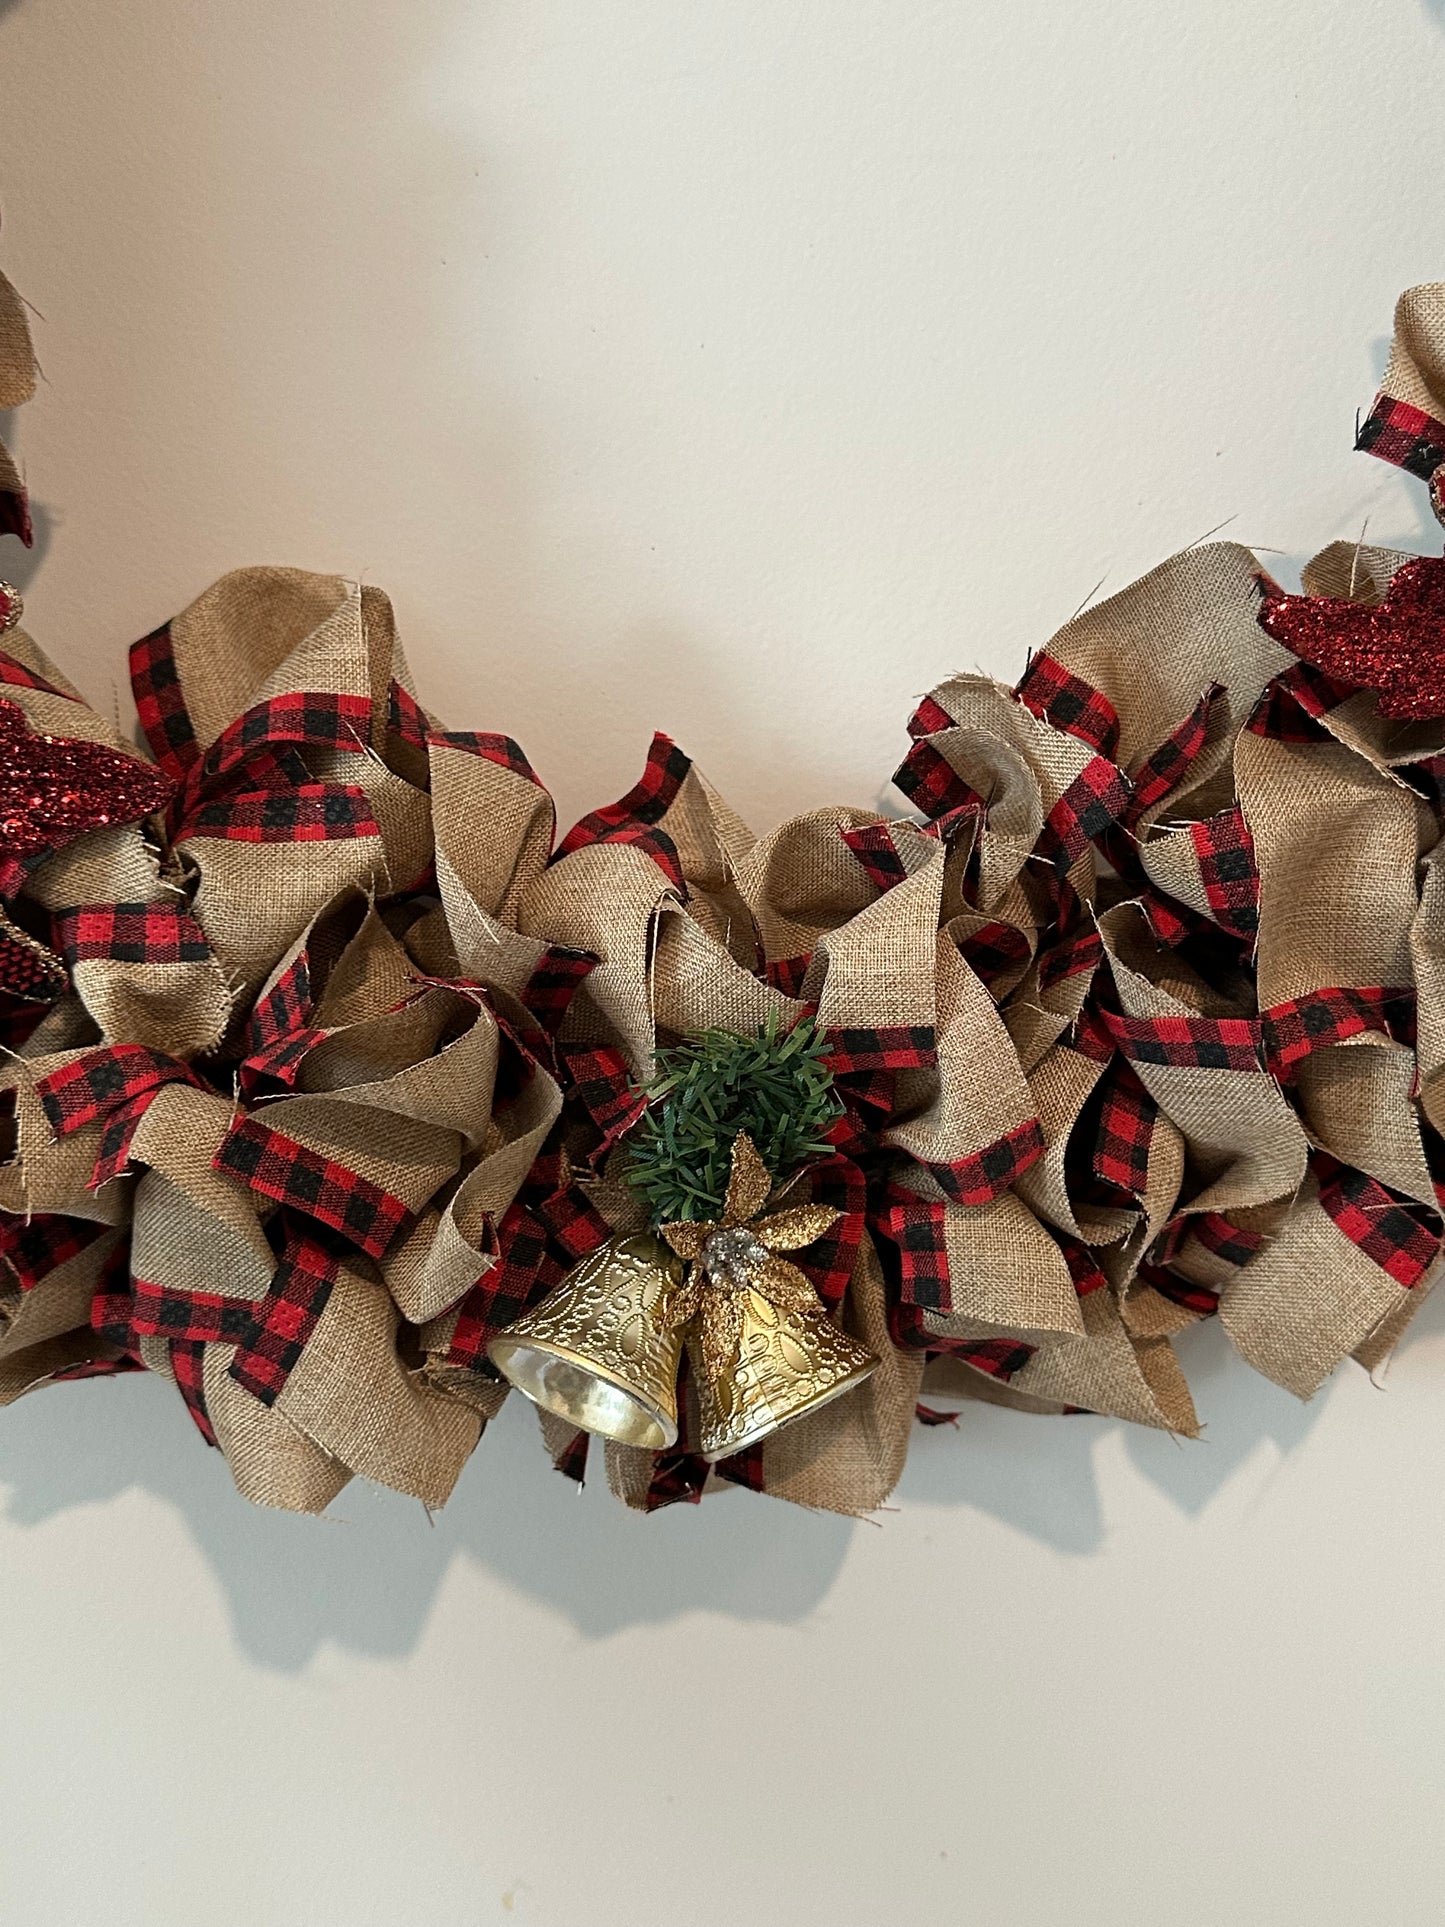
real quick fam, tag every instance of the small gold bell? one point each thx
(597, 1350)
(787, 1363)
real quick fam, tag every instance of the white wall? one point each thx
(738, 368)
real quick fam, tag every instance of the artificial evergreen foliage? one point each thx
(775, 1085)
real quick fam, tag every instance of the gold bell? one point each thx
(597, 1350)
(787, 1363)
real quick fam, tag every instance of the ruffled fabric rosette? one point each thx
(324, 1060)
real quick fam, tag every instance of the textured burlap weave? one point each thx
(1136, 1015)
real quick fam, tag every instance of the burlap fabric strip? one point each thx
(323, 1073)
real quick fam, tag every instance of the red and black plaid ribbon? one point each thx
(116, 1084)
(320, 1187)
(1070, 704)
(1406, 436)
(31, 1248)
(144, 933)
(1403, 1238)
(635, 819)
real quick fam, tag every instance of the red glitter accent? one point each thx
(27, 969)
(54, 789)
(1396, 648)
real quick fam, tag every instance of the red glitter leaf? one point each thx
(28, 970)
(1396, 648)
(54, 789)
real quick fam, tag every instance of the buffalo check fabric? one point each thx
(554, 982)
(1166, 767)
(293, 1174)
(1125, 1130)
(875, 849)
(1070, 704)
(637, 817)
(929, 719)
(19, 676)
(1402, 1238)
(113, 1086)
(1229, 871)
(273, 1339)
(932, 785)
(141, 933)
(986, 1174)
(161, 704)
(1292, 1030)
(280, 1032)
(502, 750)
(888, 1048)
(31, 1248)
(304, 813)
(914, 1226)
(1404, 435)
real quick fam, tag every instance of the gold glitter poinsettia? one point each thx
(740, 1254)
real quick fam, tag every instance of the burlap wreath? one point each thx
(1141, 1021)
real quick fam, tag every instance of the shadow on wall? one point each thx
(365, 1577)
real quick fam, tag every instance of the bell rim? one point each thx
(512, 1342)
(864, 1370)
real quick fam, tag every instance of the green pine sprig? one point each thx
(775, 1085)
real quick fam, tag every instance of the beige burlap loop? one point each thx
(1060, 1085)
(1308, 1299)
(1336, 843)
(1245, 1144)
(433, 1059)
(1013, 815)
(698, 985)
(1356, 1101)
(849, 1456)
(1206, 785)
(351, 1395)
(803, 881)
(58, 1303)
(1110, 1370)
(49, 1173)
(493, 827)
(177, 1139)
(879, 969)
(1415, 373)
(1164, 1178)
(601, 899)
(359, 969)
(1006, 1275)
(1427, 957)
(272, 1461)
(1156, 646)
(978, 1093)
(266, 635)
(448, 1251)
(963, 927)
(713, 846)
(254, 900)
(261, 633)
(982, 707)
